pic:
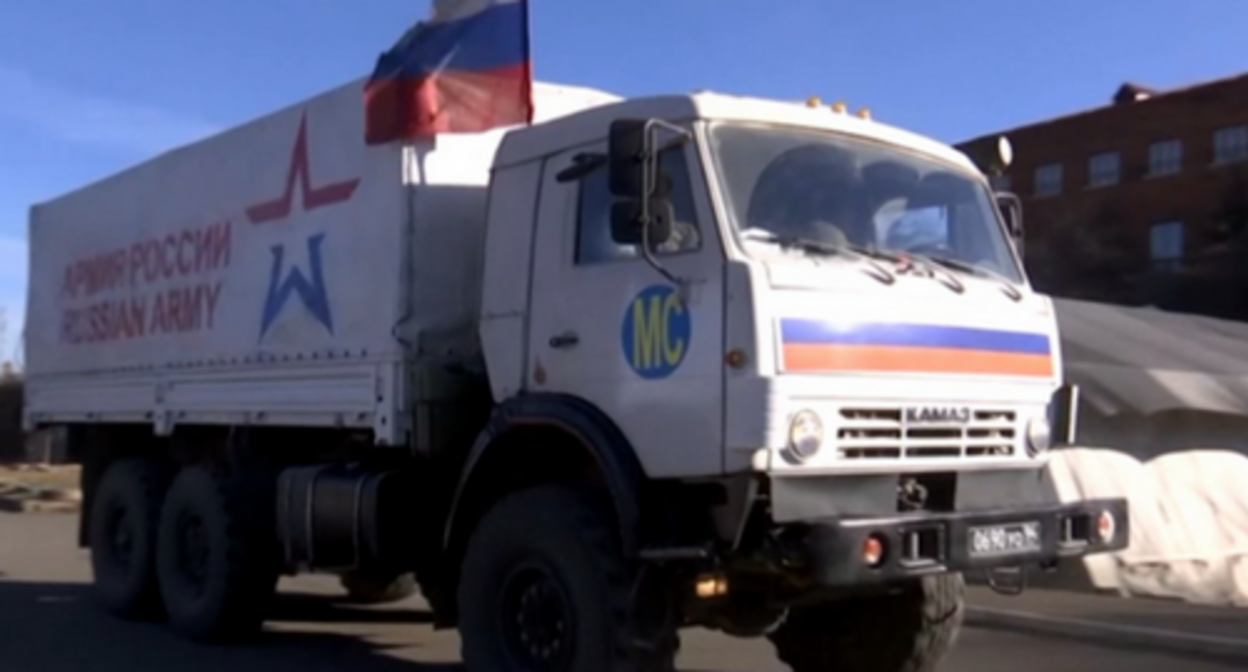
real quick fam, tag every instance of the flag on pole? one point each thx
(466, 69)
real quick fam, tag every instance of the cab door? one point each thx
(605, 326)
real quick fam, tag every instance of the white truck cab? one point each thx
(836, 296)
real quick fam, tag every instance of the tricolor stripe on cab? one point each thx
(815, 346)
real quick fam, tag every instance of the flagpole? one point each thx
(528, 49)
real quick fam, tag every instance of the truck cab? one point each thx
(832, 298)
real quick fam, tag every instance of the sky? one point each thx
(89, 87)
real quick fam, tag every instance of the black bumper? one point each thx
(933, 543)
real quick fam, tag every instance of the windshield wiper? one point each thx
(971, 269)
(959, 265)
(846, 249)
(791, 242)
(873, 253)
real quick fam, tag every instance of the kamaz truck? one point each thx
(645, 364)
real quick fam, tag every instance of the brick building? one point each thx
(1141, 202)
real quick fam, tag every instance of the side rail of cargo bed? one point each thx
(364, 395)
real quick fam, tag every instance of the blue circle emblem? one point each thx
(656, 333)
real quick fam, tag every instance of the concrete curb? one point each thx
(13, 505)
(1114, 634)
(19, 498)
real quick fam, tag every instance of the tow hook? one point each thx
(1010, 581)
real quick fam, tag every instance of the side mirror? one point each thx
(1012, 210)
(628, 157)
(1064, 420)
(629, 220)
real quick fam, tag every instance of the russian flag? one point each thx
(466, 69)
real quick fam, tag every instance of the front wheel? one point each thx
(909, 630)
(545, 588)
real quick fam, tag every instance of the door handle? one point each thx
(564, 340)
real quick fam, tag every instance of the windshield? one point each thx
(834, 189)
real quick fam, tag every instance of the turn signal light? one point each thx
(873, 551)
(1106, 526)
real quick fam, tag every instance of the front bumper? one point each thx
(915, 545)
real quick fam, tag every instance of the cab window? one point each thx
(593, 227)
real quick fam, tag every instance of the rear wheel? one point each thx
(910, 630)
(545, 588)
(122, 530)
(217, 574)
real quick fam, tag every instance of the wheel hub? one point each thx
(193, 551)
(120, 538)
(537, 622)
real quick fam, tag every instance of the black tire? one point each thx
(122, 530)
(908, 631)
(217, 572)
(369, 589)
(556, 542)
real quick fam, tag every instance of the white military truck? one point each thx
(690, 360)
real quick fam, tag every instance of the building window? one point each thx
(594, 244)
(1165, 157)
(1165, 244)
(1049, 180)
(1103, 169)
(1230, 144)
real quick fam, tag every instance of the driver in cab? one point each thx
(813, 193)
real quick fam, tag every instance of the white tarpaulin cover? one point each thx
(1169, 393)
(1139, 360)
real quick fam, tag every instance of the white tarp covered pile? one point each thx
(1168, 395)
(1189, 520)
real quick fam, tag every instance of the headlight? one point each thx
(1039, 436)
(805, 434)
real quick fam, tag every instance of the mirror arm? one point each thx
(650, 184)
(646, 254)
(682, 134)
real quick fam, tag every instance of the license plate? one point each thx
(1004, 539)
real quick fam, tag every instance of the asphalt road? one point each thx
(49, 624)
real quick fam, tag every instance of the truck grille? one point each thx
(884, 434)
